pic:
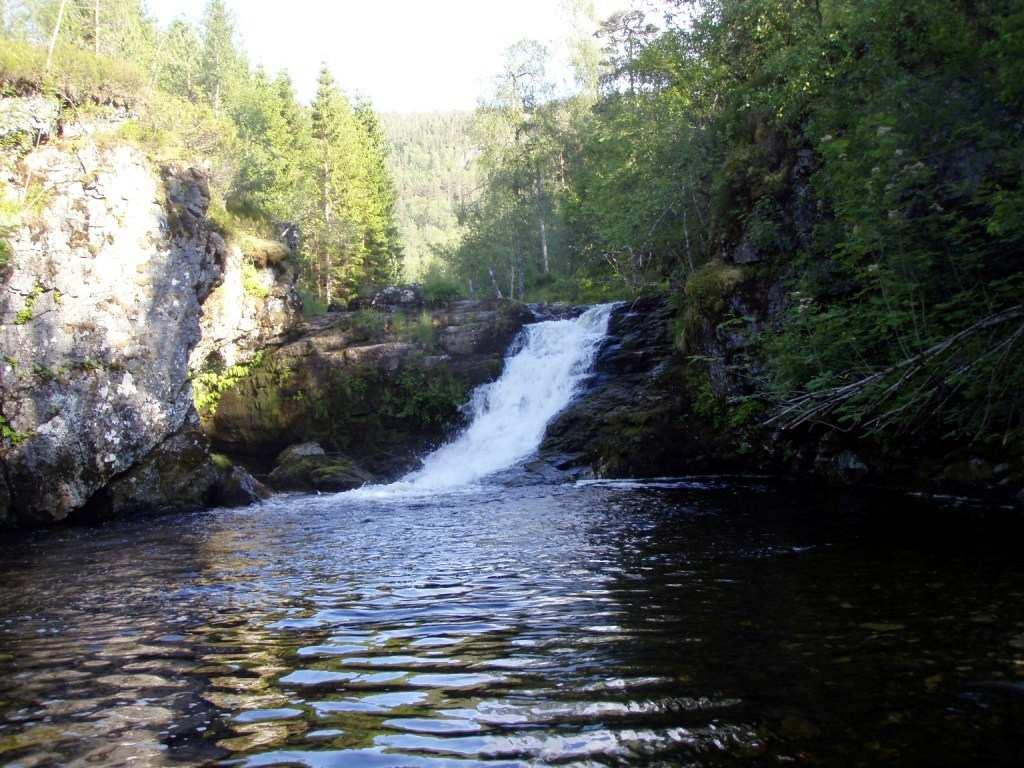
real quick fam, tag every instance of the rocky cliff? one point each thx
(104, 279)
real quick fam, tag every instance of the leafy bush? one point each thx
(438, 288)
(209, 386)
(9, 220)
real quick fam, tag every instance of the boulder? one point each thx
(318, 472)
(300, 451)
(178, 476)
(971, 472)
(33, 117)
(240, 489)
(405, 297)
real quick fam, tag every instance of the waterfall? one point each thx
(508, 417)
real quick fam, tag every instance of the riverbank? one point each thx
(653, 411)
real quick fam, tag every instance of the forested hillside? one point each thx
(432, 160)
(192, 95)
(830, 189)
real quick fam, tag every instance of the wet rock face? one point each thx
(98, 316)
(633, 419)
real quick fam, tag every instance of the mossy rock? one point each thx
(329, 474)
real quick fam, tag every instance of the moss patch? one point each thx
(704, 299)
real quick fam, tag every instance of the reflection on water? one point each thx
(708, 622)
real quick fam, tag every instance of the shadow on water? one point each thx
(717, 621)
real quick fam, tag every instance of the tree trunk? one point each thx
(55, 35)
(494, 282)
(325, 210)
(518, 273)
(545, 263)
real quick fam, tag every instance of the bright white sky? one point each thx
(405, 55)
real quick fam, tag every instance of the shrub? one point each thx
(369, 323)
(312, 304)
(209, 386)
(438, 288)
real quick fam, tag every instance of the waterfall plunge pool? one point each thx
(451, 620)
(710, 622)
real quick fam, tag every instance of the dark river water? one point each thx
(718, 622)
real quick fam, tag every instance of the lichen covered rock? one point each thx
(252, 307)
(98, 316)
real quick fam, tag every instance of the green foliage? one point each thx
(369, 323)
(868, 151)
(196, 100)
(10, 435)
(422, 397)
(10, 218)
(419, 330)
(312, 304)
(252, 283)
(703, 300)
(28, 312)
(432, 162)
(370, 406)
(76, 75)
(210, 386)
(438, 288)
(222, 462)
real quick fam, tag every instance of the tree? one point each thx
(219, 59)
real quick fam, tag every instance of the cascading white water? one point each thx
(509, 416)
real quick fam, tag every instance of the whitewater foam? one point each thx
(508, 417)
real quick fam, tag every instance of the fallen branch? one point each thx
(812, 406)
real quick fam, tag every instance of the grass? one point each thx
(28, 312)
(76, 75)
(419, 330)
(370, 323)
(262, 251)
(10, 218)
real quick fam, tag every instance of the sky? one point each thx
(404, 55)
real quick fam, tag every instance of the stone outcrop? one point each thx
(379, 386)
(252, 308)
(28, 117)
(635, 418)
(102, 296)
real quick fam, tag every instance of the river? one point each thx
(474, 617)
